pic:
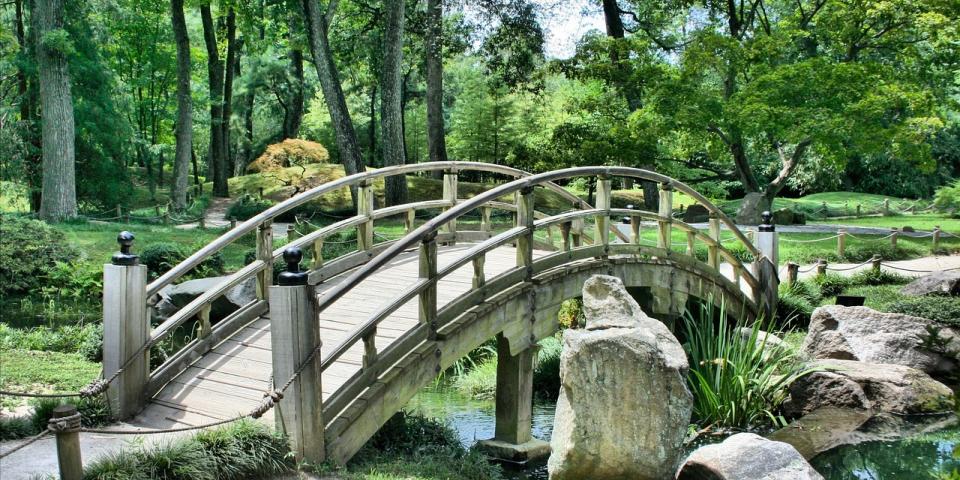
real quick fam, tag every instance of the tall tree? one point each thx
(293, 114)
(27, 97)
(218, 159)
(59, 196)
(436, 139)
(391, 110)
(318, 22)
(184, 128)
(230, 68)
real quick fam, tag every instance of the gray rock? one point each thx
(769, 340)
(696, 213)
(750, 209)
(935, 283)
(624, 406)
(868, 386)
(747, 456)
(860, 333)
(175, 297)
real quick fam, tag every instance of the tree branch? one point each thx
(790, 164)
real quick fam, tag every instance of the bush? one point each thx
(938, 308)
(871, 277)
(736, 382)
(793, 310)
(407, 433)
(479, 382)
(288, 153)
(546, 371)
(28, 251)
(862, 252)
(86, 340)
(247, 207)
(831, 284)
(947, 198)
(160, 257)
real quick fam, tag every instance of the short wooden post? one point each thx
(365, 209)
(821, 267)
(793, 272)
(859, 210)
(233, 223)
(485, 225)
(841, 242)
(765, 266)
(894, 233)
(260, 191)
(265, 254)
(525, 205)
(410, 221)
(565, 236)
(428, 271)
(317, 253)
(713, 251)
(126, 329)
(202, 222)
(886, 206)
(876, 262)
(294, 335)
(664, 231)
(479, 277)
(936, 237)
(119, 212)
(450, 195)
(291, 233)
(826, 211)
(156, 210)
(166, 218)
(602, 220)
(65, 421)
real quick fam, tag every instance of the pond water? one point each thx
(931, 456)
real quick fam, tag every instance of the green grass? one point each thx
(43, 372)
(923, 221)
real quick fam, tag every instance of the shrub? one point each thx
(162, 256)
(28, 250)
(947, 198)
(862, 252)
(871, 277)
(546, 371)
(84, 339)
(288, 153)
(938, 308)
(793, 310)
(247, 207)
(480, 382)
(831, 284)
(94, 412)
(407, 433)
(736, 382)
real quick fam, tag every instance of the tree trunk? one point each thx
(160, 170)
(184, 126)
(436, 139)
(59, 196)
(196, 168)
(391, 110)
(27, 98)
(294, 113)
(233, 56)
(215, 76)
(332, 90)
(372, 128)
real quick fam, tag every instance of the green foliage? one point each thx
(479, 382)
(832, 284)
(28, 252)
(873, 277)
(938, 308)
(87, 340)
(947, 198)
(12, 428)
(793, 309)
(248, 206)
(162, 256)
(546, 370)
(736, 382)
(241, 450)
(94, 412)
(408, 433)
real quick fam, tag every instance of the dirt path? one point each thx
(216, 217)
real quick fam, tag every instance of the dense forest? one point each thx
(769, 97)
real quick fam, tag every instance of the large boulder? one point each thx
(624, 406)
(935, 283)
(868, 386)
(747, 456)
(751, 207)
(860, 333)
(696, 213)
(174, 297)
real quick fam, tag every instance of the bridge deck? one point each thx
(231, 379)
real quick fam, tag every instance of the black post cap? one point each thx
(293, 276)
(124, 257)
(766, 222)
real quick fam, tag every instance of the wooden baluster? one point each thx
(410, 221)
(664, 230)
(450, 195)
(370, 348)
(479, 277)
(291, 233)
(793, 272)
(936, 237)
(737, 274)
(317, 253)
(691, 247)
(365, 208)
(713, 251)
(428, 270)
(565, 235)
(576, 232)
(485, 224)
(525, 206)
(604, 192)
(204, 316)
(635, 229)
(265, 254)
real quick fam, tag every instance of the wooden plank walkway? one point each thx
(231, 379)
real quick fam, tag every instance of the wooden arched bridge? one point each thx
(360, 334)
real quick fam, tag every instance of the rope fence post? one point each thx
(295, 335)
(936, 237)
(65, 422)
(875, 261)
(821, 267)
(894, 233)
(841, 242)
(858, 210)
(886, 207)
(126, 328)
(202, 222)
(291, 233)
(793, 272)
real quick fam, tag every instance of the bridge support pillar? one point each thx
(295, 334)
(126, 329)
(765, 267)
(513, 440)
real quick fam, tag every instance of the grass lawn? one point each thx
(43, 372)
(923, 221)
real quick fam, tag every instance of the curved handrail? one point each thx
(268, 215)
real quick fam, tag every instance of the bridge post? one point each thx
(126, 329)
(295, 334)
(365, 208)
(450, 195)
(513, 439)
(604, 192)
(428, 270)
(485, 225)
(664, 235)
(525, 203)
(766, 266)
(265, 254)
(713, 251)
(565, 235)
